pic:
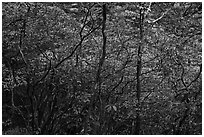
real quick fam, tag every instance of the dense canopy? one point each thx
(102, 68)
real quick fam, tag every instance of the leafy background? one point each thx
(102, 68)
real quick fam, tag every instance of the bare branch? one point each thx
(163, 14)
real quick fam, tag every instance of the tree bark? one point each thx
(138, 76)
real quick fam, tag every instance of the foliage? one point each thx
(102, 68)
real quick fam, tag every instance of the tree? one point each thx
(101, 68)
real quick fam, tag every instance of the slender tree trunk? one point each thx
(139, 69)
(97, 87)
(101, 62)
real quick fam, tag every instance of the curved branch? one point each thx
(78, 45)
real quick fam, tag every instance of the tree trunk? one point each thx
(139, 69)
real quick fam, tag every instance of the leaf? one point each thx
(114, 108)
(108, 108)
